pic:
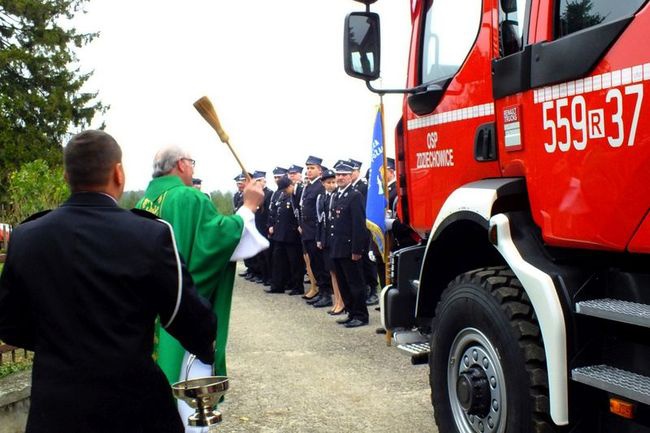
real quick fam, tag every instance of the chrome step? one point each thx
(415, 348)
(611, 379)
(616, 310)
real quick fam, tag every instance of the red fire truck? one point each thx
(523, 160)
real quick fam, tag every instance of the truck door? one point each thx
(569, 82)
(449, 128)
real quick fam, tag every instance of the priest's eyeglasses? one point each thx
(192, 162)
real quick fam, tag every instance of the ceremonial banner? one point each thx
(376, 201)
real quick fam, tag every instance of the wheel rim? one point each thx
(472, 357)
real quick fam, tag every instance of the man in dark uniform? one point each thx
(262, 261)
(287, 254)
(237, 202)
(349, 240)
(238, 197)
(278, 173)
(369, 268)
(309, 229)
(104, 275)
(295, 175)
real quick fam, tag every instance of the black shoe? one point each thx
(355, 323)
(257, 280)
(380, 331)
(249, 277)
(272, 290)
(325, 301)
(267, 283)
(310, 298)
(314, 299)
(372, 300)
(243, 274)
(344, 320)
(295, 292)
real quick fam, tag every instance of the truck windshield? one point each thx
(450, 30)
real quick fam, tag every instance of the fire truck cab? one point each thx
(523, 157)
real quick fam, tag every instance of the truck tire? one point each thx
(487, 364)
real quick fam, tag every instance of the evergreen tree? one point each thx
(40, 84)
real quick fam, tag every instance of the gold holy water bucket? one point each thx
(202, 394)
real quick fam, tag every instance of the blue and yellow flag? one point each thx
(376, 201)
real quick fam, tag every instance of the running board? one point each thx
(616, 310)
(419, 352)
(414, 344)
(616, 381)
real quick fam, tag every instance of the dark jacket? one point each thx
(237, 200)
(82, 287)
(262, 214)
(309, 217)
(361, 185)
(273, 210)
(349, 234)
(392, 197)
(285, 228)
(323, 204)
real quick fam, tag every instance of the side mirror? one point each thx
(361, 45)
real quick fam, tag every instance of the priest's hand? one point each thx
(253, 196)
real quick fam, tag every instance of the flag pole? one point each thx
(387, 246)
(387, 238)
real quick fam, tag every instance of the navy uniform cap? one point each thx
(240, 177)
(313, 160)
(356, 165)
(327, 174)
(259, 174)
(339, 162)
(295, 169)
(284, 182)
(343, 168)
(390, 163)
(279, 171)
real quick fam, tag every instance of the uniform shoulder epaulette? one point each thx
(145, 214)
(36, 216)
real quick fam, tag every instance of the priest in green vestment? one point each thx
(208, 242)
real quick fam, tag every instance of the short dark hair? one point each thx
(89, 157)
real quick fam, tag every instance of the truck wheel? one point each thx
(487, 363)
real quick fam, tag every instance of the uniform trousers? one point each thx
(323, 280)
(287, 257)
(351, 284)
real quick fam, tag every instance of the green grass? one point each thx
(14, 367)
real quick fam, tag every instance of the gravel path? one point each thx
(293, 369)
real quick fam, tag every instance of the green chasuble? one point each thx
(206, 240)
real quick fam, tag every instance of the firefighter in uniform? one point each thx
(324, 205)
(262, 261)
(349, 240)
(278, 173)
(295, 175)
(309, 228)
(369, 268)
(238, 197)
(237, 202)
(287, 254)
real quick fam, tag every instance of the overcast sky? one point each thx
(273, 70)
